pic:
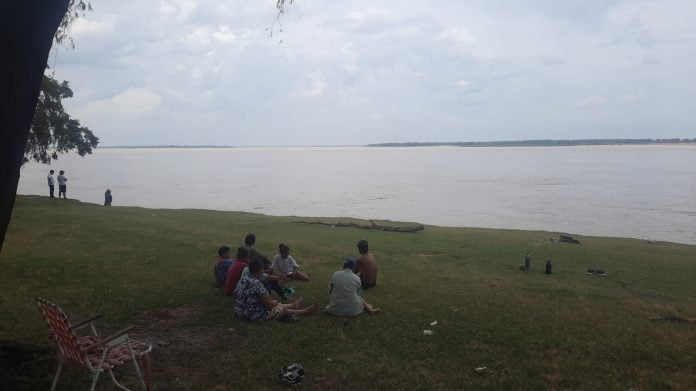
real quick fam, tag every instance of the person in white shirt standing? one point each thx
(62, 187)
(51, 184)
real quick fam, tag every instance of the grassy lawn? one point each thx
(152, 268)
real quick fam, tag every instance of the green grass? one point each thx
(152, 268)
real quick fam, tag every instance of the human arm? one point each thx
(295, 265)
(358, 267)
(273, 277)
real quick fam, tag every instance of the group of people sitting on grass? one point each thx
(258, 285)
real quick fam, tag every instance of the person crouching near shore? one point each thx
(285, 266)
(253, 302)
(344, 293)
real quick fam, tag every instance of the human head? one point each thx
(51, 172)
(108, 191)
(62, 172)
(255, 266)
(284, 250)
(362, 246)
(349, 263)
(223, 252)
(242, 253)
(250, 239)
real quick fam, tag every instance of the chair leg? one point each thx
(119, 385)
(95, 377)
(57, 375)
(137, 370)
(146, 368)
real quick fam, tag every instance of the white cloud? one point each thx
(200, 36)
(133, 100)
(630, 97)
(462, 83)
(225, 35)
(593, 101)
(318, 87)
(136, 100)
(180, 9)
(461, 36)
(152, 65)
(84, 27)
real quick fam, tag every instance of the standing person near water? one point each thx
(62, 185)
(51, 183)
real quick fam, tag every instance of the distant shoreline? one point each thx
(541, 143)
(518, 143)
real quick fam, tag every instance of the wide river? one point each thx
(644, 192)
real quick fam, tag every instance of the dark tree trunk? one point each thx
(27, 28)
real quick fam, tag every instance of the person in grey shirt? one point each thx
(344, 293)
(51, 184)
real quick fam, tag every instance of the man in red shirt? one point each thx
(234, 274)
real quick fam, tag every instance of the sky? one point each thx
(188, 72)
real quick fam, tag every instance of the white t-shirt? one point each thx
(61, 180)
(282, 267)
(51, 181)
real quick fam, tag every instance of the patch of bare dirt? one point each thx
(179, 344)
(170, 330)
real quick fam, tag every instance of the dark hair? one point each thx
(250, 239)
(242, 253)
(51, 171)
(362, 246)
(283, 248)
(62, 172)
(222, 250)
(255, 266)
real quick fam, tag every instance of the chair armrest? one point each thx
(105, 341)
(85, 322)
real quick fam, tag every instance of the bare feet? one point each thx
(372, 310)
(294, 303)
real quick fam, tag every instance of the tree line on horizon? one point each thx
(540, 143)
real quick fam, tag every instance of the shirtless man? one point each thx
(366, 266)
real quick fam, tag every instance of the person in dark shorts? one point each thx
(366, 266)
(62, 185)
(51, 184)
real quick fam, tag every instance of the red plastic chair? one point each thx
(93, 352)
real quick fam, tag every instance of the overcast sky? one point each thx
(357, 72)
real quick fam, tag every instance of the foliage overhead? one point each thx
(76, 8)
(52, 130)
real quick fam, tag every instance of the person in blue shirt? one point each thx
(222, 265)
